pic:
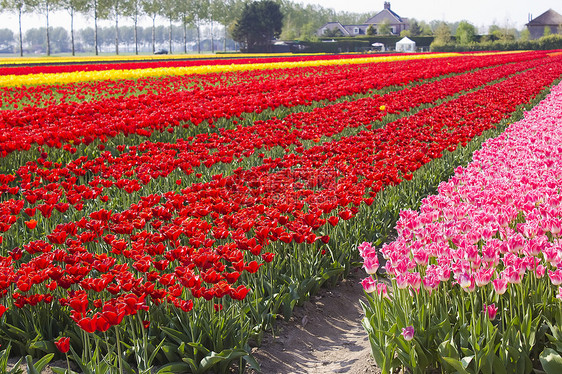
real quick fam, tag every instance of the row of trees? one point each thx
(299, 21)
(35, 42)
(185, 12)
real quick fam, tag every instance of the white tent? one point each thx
(378, 46)
(406, 45)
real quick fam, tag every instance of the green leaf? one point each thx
(200, 348)
(498, 366)
(43, 361)
(43, 345)
(250, 360)
(178, 367)
(227, 355)
(458, 365)
(30, 368)
(78, 360)
(155, 352)
(551, 361)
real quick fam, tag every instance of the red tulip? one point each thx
(63, 344)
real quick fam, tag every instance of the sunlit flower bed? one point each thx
(173, 225)
(101, 65)
(129, 71)
(112, 58)
(476, 272)
(74, 123)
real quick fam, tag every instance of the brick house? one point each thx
(549, 18)
(396, 24)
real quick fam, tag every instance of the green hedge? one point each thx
(545, 43)
(359, 43)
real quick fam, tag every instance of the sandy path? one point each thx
(324, 336)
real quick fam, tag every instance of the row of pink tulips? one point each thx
(476, 272)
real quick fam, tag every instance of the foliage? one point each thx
(442, 34)
(465, 33)
(384, 27)
(258, 25)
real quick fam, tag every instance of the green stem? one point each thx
(119, 360)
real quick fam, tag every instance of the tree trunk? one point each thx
(225, 34)
(185, 37)
(21, 37)
(170, 35)
(198, 38)
(72, 29)
(136, 36)
(96, 26)
(116, 31)
(48, 37)
(212, 38)
(153, 33)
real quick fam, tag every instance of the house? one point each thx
(549, 18)
(393, 21)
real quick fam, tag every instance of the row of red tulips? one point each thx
(108, 170)
(46, 95)
(161, 159)
(197, 240)
(76, 122)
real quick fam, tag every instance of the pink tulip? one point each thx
(540, 271)
(369, 285)
(500, 285)
(371, 264)
(555, 277)
(402, 281)
(408, 333)
(492, 311)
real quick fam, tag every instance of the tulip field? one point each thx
(159, 216)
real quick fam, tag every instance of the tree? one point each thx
(19, 7)
(187, 17)
(384, 28)
(170, 10)
(334, 33)
(547, 31)
(226, 12)
(35, 38)
(415, 28)
(6, 37)
(200, 13)
(98, 9)
(59, 39)
(45, 7)
(133, 10)
(86, 36)
(465, 33)
(152, 9)
(442, 34)
(371, 30)
(259, 23)
(73, 6)
(525, 35)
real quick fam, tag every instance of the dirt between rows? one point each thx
(324, 336)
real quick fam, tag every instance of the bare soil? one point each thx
(324, 336)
